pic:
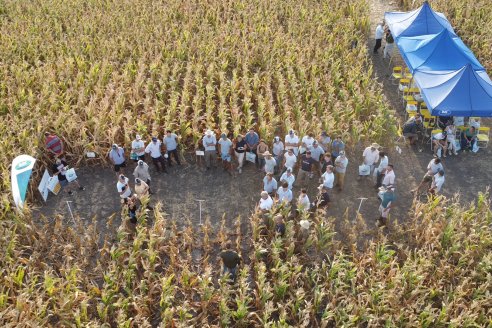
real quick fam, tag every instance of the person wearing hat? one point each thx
(60, 170)
(252, 143)
(123, 187)
(170, 143)
(210, 144)
(303, 203)
(316, 152)
(278, 152)
(117, 157)
(270, 163)
(138, 149)
(336, 147)
(292, 142)
(239, 149)
(142, 172)
(284, 194)
(325, 141)
(266, 202)
(154, 149)
(260, 151)
(288, 177)
(306, 168)
(270, 184)
(141, 188)
(369, 157)
(437, 182)
(341, 163)
(225, 146)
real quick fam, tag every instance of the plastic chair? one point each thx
(411, 108)
(403, 85)
(483, 137)
(397, 74)
(433, 133)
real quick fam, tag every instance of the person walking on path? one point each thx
(433, 168)
(306, 168)
(337, 146)
(278, 152)
(210, 144)
(142, 172)
(117, 157)
(390, 44)
(369, 157)
(60, 170)
(170, 143)
(252, 141)
(138, 149)
(270, 163)
(381, 169)
(225, 146)
(230, 261)
(292, 142)
(288, 177)
(239, 149)
(54, 145)
(123, 187)
(154, 149)
(341, 163)
(270, 184)
(379, 37)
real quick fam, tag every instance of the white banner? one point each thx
(70, 174)
(43, 185)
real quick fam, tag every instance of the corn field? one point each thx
(471, 21)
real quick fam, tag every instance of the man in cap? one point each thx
(141, 188)
(230, 261)
(284, 194)
(306, 168)
(266, 202)
(54, 145)
(138, 149)
(117, 157)
(123, 187)
(170, 143)
(210, 144)
(292, 142)
(341, 163)
(316, 152)
(325, 141)
(288, 177)
(336, 147)
(154, 149)
(278, 152)
(270, 184)
(252, 141)
(270, 163)
(225, 146)
(369, 157)
(142, 172)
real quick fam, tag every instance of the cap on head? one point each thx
(140, 162)
(223, 136)
(289, 169)
(138, 181)
(154, 139)
(138, 137)
(324, 134)
(114, 146)
(276, 138)
(342, 153)
(375, 145)
(208, 132)
(291, 132)
(122, 177)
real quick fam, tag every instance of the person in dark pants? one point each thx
(170, 141)
(252, 141)
(131, 203)
(154, 149)
(379, 37)
(230, 261)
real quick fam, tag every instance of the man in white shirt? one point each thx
(270, 184)
(123, 188)
(380, 170)
(370, 157)
(278, 151)
(437, 182)
(170, 142)
(138, 149)
(341, 164)
(225, 145)
(389, 176)
(307, 143)
(290, 160)
(266, 202)
(379, 36)
(316, 152)
(284, 194)
(154, 149)
(292, 142)
(288, 177)
(433, 168)
(209, 143)
(328, 177)
(303, 203)
(325, 141)
(117, 157)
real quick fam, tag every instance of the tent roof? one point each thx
(442, 51)
(463, 92)
(417, 22)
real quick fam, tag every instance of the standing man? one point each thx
(380, 170)
(142, 172)
(437, 182)
(323, 199)
(60, 170)
(266, 202)
(379, 36)
(123, 187)
(290, 160)
(316, 152)
(230, 261)
(292, 142)
(225, 145)
(270, 184)
(252, 141)
(209, 143)
(54, 145)
(328, 177)
(307, 142)
(260, 151)
(288, 177)
(138, 148)
(337, 146)
(270, 163)
(340, 168)
(278, 152)
(170, 142)
(325, 141)
(307, 163)
(303, 203)
(433, 168)
(389, 176)
(154, 149)
(284, 194)
(369, 157)
(141, 188)
(239, 149)
(117, 157)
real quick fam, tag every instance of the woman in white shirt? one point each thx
(451, 139)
